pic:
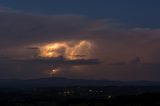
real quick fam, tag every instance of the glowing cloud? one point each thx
(69, 50)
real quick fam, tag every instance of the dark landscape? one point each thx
(78, 92)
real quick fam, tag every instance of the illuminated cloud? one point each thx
(69, 50)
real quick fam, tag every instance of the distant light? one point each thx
(67, 93)
(101, 91)
(54, 70)
(90, 90)
(109, 97)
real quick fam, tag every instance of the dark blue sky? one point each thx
(144, 13)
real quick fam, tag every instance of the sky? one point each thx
(98, 39)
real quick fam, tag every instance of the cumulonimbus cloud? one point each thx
(113, 42)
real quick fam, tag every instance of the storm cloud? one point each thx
(113, 42)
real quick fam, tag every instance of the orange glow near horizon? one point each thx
(69, 50)
(53, 72)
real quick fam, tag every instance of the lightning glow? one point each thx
(68, 50)
(53, 72)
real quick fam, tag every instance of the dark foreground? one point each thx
(81, 96)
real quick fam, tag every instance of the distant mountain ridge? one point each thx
(63, 82)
